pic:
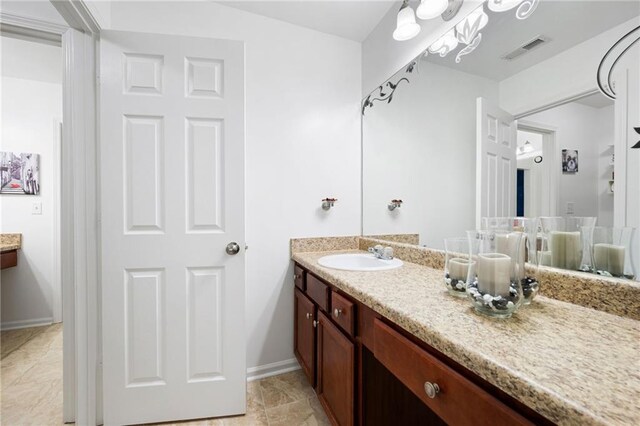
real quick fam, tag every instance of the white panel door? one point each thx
(496, 164)
(172, 183)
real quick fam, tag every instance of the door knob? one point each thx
(233, 248)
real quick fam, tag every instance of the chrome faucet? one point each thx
(384, 253)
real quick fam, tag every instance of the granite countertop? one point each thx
(572, 364)
(10, 242)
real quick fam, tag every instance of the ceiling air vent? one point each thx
(527, 47)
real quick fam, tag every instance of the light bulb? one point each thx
(430, 9)
(406, 28)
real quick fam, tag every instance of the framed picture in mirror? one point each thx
(569, 161)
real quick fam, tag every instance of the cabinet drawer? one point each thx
(458, 402)
(343, 312)
(298, 277)
(318, 292)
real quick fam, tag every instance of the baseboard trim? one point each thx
(36, 322)
(273, 369)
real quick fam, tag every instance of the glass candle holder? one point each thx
(611, 251)
(458, 266)
(496, 288)
(565, 242)
(528, 251)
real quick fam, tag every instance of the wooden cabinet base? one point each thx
(370, 372)
(336, 373)
(8, 259)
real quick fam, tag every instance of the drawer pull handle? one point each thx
(295, 276)
(431, 389)
(309, 316)
(337, 312)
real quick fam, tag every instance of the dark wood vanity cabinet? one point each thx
(325, 353)
(336, 372)
(368, 371)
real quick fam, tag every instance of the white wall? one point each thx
(421, 148)
(302, 139)
(560, 77)
(585, 129)
(382, 56)
(31, 101)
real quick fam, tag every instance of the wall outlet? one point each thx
(571, 207)
(36, 208)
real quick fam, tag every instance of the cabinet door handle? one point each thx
(315, 323)
(337, 312)
(295, 276)
(431, 389)
(309, 316)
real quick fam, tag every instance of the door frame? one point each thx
(56, 281)
(79, 223)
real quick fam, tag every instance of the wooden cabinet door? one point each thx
(304, 334)
(336, 372)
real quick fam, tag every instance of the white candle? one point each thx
(459, 268)
(494, 273)
(508, 244)
(573, 251)
(566, 249)
(610, 258)
(545, 258)
(556, 249)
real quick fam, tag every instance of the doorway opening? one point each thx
(532, 183)
(30, 224)
(574, 143)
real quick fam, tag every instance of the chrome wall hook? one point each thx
(327, 203)
(394, 204)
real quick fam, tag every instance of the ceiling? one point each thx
(565, 23)
(351, 19)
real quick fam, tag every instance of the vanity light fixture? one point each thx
(444, 44)
(430, 9)
(525, 8)
(467, 32)
(526, 148)
(406, 26)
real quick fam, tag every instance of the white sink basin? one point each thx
(358, 262)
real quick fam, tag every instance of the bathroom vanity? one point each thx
(392, 347)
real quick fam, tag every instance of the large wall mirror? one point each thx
(530, 87)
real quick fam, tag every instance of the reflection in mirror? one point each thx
(515, 127)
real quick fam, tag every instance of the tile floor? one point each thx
(31, 391)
